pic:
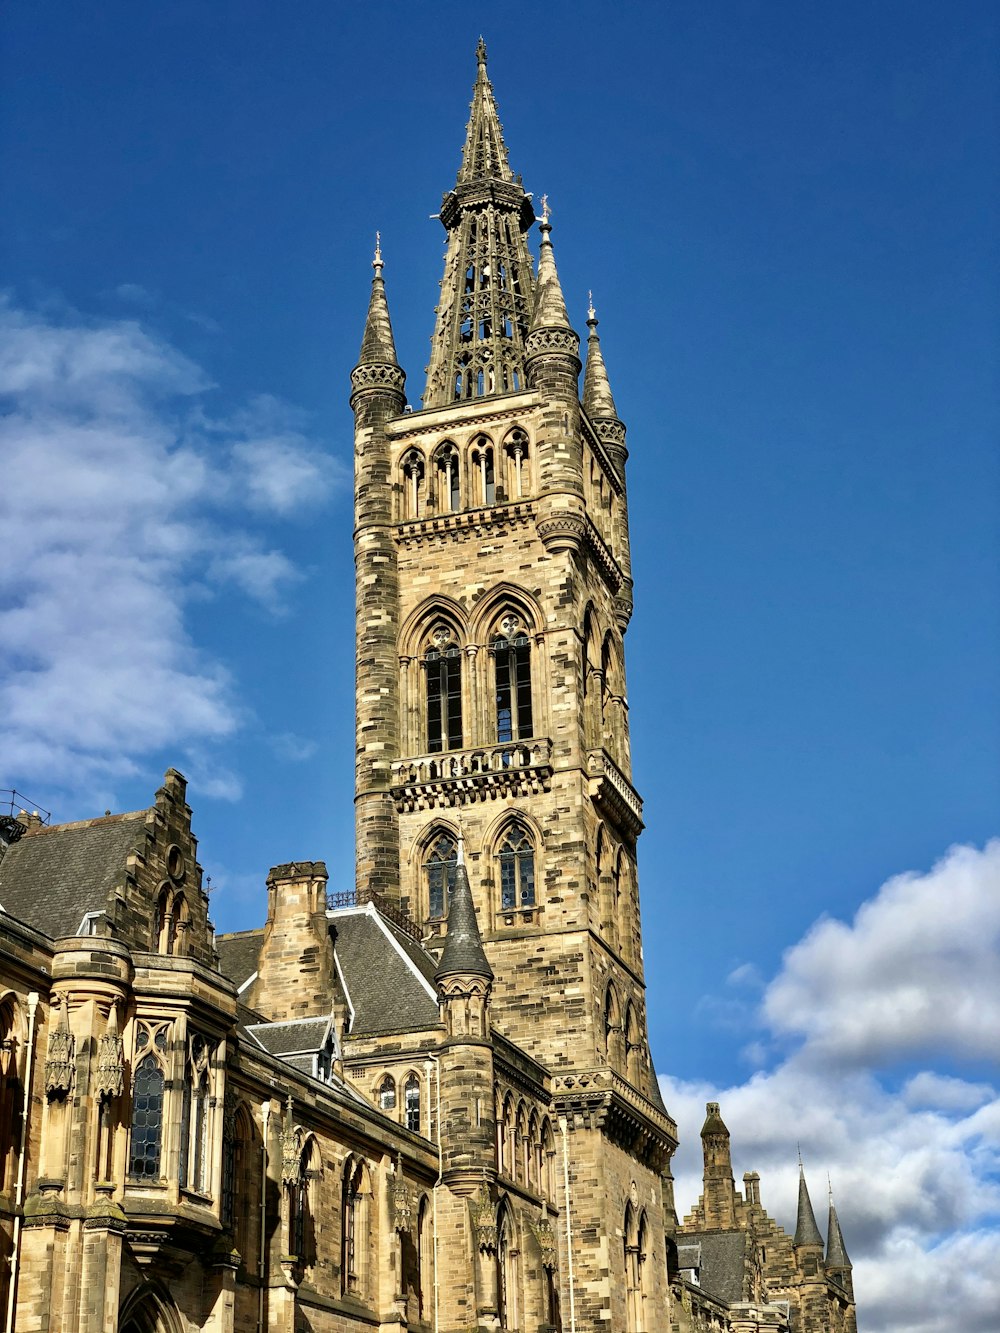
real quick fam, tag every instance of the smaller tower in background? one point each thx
(720, 1190)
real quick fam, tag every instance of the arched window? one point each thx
(612, 1029)
(439, 869)
(302, 1207)
(517, 869)
(511, 651)
(246, 1166)
(448, 481)
(635, 1237)
(443, 666)
(483, 462)
(10, 1091)
(195, 1147)
(508, 1270)
(534, 1172)
(387, 1094)
(633, 1047)
(548, 1176)
(516, 447)
(425, 1272)
(354, 1229)
(413, 483)
(521, 1146)
(411, 1103)
(146, 1137)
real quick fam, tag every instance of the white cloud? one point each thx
(120, 503)
(916, 1168)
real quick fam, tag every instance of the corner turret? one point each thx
(838, 1265)
(806, 1231)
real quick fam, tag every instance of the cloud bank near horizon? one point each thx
(874, 1035)
(125, 500)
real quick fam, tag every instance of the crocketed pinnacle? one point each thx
(806, 1230)
(484, 156)
(836, 1251)
(550, 307)
(463, 947)
(597, 400)
(377, 345)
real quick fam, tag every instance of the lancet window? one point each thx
(508, 1270)
(635, 1241)
(387, 1094)
(302, 1207)
(449, 487)
(440, 869)
(413, 484)
(146, 1136)
(517, 869)
(483, 460)
(10, 1089)
(354, 1229)
(443, 667)
(411, 1103)
(172, 922)
(511, 651)
(516, 448)
(195, 1154)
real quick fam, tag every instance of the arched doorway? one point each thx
(149, 1310)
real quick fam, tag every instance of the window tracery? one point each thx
(411, 1103)
(443, 682)
(148, 1083)
(413, 483)
(511, 652)
(387, 1094)
(440, 868)
(195, 1150)
(517, 869)
(449, 486)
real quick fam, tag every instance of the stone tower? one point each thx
(493, 598)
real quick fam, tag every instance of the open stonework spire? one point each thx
(486, 293)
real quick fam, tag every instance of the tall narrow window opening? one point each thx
(512, 662)
(147, 1119)
(482, 457)
(411, 1102)
(443, 665)
(441, 868)
(517, 870)
(449, 488)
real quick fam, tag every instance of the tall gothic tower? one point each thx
(493, 598)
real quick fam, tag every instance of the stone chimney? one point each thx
(295, 975)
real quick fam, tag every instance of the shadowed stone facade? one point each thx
(426, 1102)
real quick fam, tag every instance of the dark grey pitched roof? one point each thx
(51, 879)
(463, 947)
(836, 1250)
(304, 1036)
(806, 1230)
(655, 1095)
(386, 990)
(238, 954)
(721, 1259)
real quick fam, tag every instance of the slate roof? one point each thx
(297, 1037)
(463, 946)
(238, 954)
(384, 989)
(721, 1257)
(52, 878)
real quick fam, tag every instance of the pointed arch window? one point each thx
(387, 1094)
(449, 488)
(195, 1150)
(517, 451)
(10, 1089)
(146, 1138)
(440, 869)
(511, 651)
(635, 1243)
(413, 482)
(411, 1103)
(483, 459)
(517, 869)
(354, 1229)
(508, 1271)
(443, 665)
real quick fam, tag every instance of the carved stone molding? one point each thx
(562, 532)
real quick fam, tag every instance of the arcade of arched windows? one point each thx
(172, 921)
(510, 868)
(466, 685)
(525, 1145)
(402, 1098)
(635, 1240)
(625, 1046)
(615, 899)
(605, 704)
(486, 470)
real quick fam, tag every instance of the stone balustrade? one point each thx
(458, 777)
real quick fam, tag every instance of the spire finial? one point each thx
(591, 312)
(545, 211)
(481, 52)
(460, 851)
(377, 264)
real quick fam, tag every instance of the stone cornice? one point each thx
(445, 525)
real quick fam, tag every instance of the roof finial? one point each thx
(545, 209)
(377, 264)
(829, 1188)
(591, 312)
(481, 51)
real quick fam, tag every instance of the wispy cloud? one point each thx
(916, 1168)
(121, 498)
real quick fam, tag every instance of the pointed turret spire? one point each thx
(378, 346)
(486, 293)
(550, 306)
(597, 400)
(806, 1230)
(836, 1251)
(484, 156)
(463, 947)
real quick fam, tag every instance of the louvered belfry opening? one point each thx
(486, 301)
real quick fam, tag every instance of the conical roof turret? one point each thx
(550, 305)
(463, 952)
(806, 1230)
(836, 1250)
(597, 400)
(378, 347)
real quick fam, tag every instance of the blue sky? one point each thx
(788, 216)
